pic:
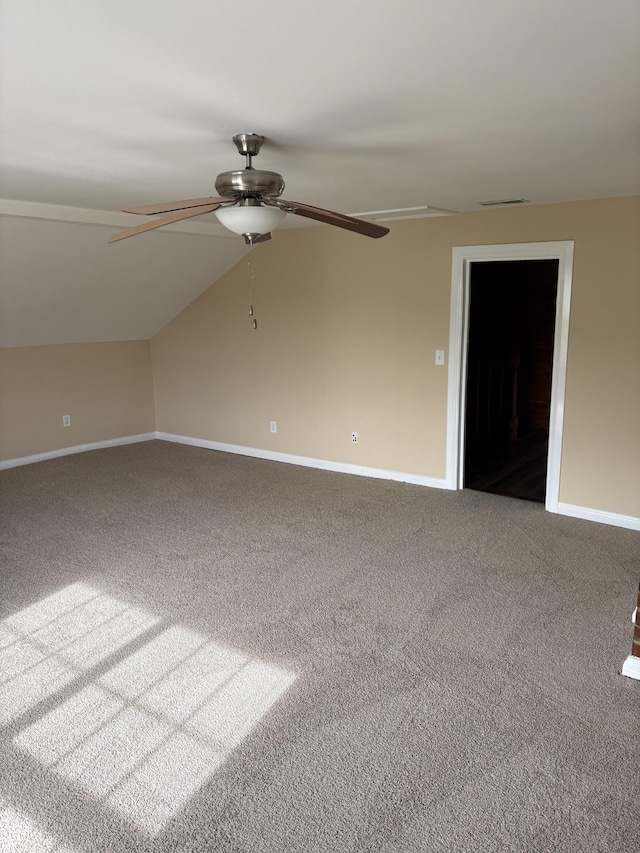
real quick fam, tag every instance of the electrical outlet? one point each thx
(66, 420)
(273, 426)
(354, 438)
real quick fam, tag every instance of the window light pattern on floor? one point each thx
(45, 646)
(143, 737)
(19, 834)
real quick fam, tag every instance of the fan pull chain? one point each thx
(251, 285)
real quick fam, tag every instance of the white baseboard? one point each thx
(586, 513)
(631, 667)
(78, 448)
(306, 461)
(600, 516)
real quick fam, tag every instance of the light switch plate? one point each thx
(439, 356)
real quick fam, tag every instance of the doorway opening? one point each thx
(511, 325)
(463, 259)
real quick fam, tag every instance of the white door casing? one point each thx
(463, 257)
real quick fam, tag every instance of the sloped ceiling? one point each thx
(366, 107)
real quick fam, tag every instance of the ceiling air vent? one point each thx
(499, 201)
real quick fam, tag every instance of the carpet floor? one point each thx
(205, 652)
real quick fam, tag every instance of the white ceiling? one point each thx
(366, 106)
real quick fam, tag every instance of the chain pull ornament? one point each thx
(251, 283)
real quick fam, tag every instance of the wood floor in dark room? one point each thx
(516, 469)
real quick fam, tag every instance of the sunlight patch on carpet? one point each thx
(19, 834)
(143, 737)
(45, 646)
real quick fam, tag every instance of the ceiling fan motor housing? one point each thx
(249, 183)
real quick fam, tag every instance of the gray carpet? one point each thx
(204, 652)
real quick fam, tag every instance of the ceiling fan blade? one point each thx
(158, 223)
(330, 217)
(261, 239)
(168, 206)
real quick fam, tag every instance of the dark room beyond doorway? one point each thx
(512, 308)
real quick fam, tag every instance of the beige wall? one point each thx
(347, 329)
(105, 387)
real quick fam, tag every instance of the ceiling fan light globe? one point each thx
(250, 220)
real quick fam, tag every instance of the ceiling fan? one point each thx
(248, 203)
